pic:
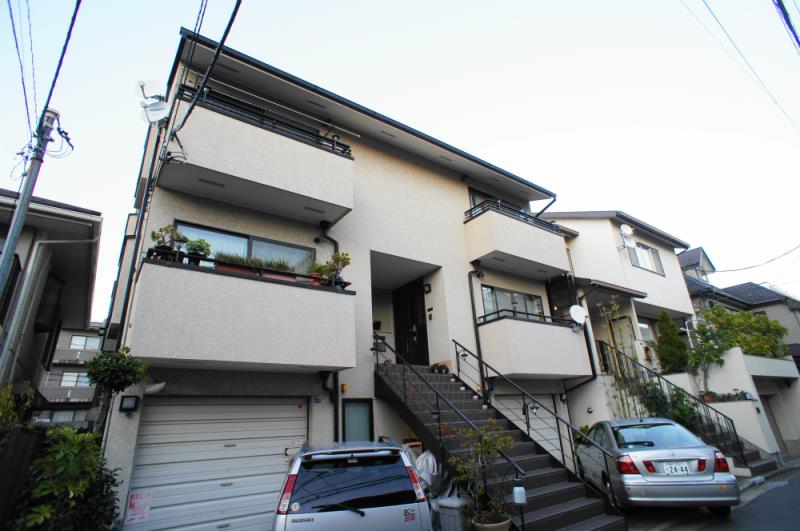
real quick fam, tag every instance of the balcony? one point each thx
(206, 317)
(236, 152)
(521, 345)
(73, 357)
(508, 239)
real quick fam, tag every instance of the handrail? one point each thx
(501, 207)
(702, 409)
(519, 471)
(507, 313)
(522, 391)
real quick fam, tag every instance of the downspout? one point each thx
(477, 272)
(333, 395)
(325, 225)
(24, 301)
(589, 348)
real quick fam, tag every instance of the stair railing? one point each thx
(522, 408)
(647, 387)
(380, 346)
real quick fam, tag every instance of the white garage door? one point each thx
(213, 463)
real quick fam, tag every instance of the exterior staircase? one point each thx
(436, 406)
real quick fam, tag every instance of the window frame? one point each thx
(654, 253)
(495, 289)
(371, 416)
(250, 239)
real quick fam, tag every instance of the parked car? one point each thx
(657, 462)
(353, 487)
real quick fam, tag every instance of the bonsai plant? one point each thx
(113, 372)
(335, 266)
(196, 250)
(167, 238)
(318, 272)
(471, 468)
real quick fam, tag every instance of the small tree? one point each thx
(672, 351)
(757, 335)
(114, 372)
(710, 346)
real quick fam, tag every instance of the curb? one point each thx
(747, 483)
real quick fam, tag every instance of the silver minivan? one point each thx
(353, 487)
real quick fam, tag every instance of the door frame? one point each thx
(371, 416)
(401, 333)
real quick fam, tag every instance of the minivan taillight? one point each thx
(412, 474)
(625, 465)
(283, 503)
(720, 463)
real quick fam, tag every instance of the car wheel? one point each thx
(720, 512)
(609, 492)
(579, 466)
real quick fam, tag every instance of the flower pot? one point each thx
(315, 279)
(278, 275)
(164, 252)
(239, 270)
(194, 258)
(499, 526)
(708, 398)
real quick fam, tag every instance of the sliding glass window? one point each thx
(499, 302)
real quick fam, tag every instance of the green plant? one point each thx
(318, 269)
(337, 263)
(254, 262)
(756, 334)
(232, 258)
(672, 351)
(200, 247)
(678, 406)
(68, 487)
(14, 407)
(168, 235)
(710, 346)
(277, 265)
(482, 446)
(113, 372)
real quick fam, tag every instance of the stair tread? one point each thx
(533, 473)
(550, 489)
(559, 508)
(604, 521)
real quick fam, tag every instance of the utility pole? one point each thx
(49, 117)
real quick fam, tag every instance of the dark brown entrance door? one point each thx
(411, 332)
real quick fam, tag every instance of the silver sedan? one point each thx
(657, 462)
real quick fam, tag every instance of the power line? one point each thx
(60, 62)
(787, 22)
(793, 249)
(21, 69)
(33, 59)
(750, 67)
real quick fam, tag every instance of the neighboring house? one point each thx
(247, 363)
(66, 385)
(50, 289)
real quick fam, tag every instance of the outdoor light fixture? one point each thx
(128, 404)
(426, 287)
(589, 410)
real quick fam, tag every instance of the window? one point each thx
(84, 343)
(476, 197)
(357, 419)
(297, 256)
(62, 416)
(646, 330)
(646, 257)
(75, 379)
(654, 436)
(499, 302)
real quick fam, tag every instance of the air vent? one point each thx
(318, 211)
(224, 67)
(212, 183)
(390, 135)
(315, 104)
(448, 159)
(498, 259)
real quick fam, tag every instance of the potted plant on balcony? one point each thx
(317, 272)
(197, 250)
(276, 269)
(335, 266)
(234, 263)
(472, 467)
(168, 239)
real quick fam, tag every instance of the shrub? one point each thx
(757, 335)
(168, 235)
(672, 351)
(198, 247)
(114, 372)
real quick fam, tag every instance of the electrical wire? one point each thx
(787, 22)
(793, 249)
(750, 67)
(21, 69)
(33, 60)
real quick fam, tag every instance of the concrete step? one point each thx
(762, 466)
(548, 495)
(562, 514)
(527, 463)
(605, 522)
(532, 480)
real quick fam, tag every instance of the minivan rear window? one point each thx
(654, 436)
(356, 483)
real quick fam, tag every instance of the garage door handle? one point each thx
(230, 445)
(223, 526)
(226, 484)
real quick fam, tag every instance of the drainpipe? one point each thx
(325, 225)
(24, 302)
(589, 348)
(477, 272)
(333, 395)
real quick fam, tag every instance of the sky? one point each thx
(629, 105)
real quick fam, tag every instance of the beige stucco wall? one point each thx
(183, 315)
(784, 399)
(771, 367)
(751, 423)
(788, 318)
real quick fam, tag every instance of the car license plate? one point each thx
(676, 468)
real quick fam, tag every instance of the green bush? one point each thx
(68, 487)
(198, 247)
(114, 372)
(672, 351)
(757, 335)
(679, 406)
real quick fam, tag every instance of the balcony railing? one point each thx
(496, 205)
(265, 118)
(522, 316)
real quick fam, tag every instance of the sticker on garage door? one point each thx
(138, 507)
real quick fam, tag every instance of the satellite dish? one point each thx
(626, 229)
(154, 106)
(578, 314)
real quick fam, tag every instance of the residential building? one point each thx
(248, 362)
(66, 386)
(50, 289)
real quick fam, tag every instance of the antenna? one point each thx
(627, 231)
(154, 106)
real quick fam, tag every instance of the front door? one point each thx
(410, 326)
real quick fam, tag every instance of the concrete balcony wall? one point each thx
(203, 319)
(770, 367)
(527, 349)
(233, 161)
(507, 244)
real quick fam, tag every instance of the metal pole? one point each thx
(31, 174)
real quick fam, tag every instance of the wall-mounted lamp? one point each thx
(345, 388)
(589, 410)
(426, 288)
(563, 398)
(128, 404)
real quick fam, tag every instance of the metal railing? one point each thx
(522, 316)
(436, 406)
(501, 207)
(643, 393)
(263, 117)
(542, 424)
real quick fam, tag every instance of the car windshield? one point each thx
(654, 436)
(347, 484)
